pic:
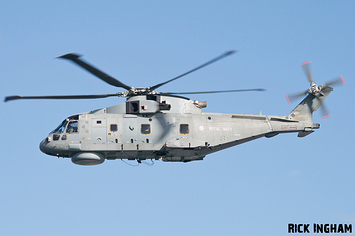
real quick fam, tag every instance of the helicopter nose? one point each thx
(44, 146)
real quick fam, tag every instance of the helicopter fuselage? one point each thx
(171, 128)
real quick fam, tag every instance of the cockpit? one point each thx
(63, 138)
(69, 125)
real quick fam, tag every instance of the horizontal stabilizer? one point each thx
(302, 134)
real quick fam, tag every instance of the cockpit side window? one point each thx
(72, 127)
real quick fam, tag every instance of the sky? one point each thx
(256, 188)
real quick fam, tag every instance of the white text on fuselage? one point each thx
(226, 129)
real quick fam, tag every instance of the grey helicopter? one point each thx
(166, 126)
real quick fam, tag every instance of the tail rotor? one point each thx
(316, 90)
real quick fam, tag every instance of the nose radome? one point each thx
(43, 146)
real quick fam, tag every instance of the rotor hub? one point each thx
(315, 90)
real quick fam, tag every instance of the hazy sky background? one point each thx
(256, 188)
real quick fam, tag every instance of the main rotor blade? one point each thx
(105, 77)
(307, 70)
(17, 97)
(221, 91)
(197, 68)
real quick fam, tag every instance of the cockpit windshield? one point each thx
(69, 125)
(61, 127)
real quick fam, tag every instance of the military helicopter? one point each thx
(167, 126)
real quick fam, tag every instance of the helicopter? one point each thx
(167, 126)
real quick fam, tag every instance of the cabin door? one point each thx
(98, 131)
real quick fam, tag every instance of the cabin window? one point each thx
(184, 129)
(114, 127)
(145, 129)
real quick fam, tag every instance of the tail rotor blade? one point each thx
(337, 81)
(307, 69)
(325, 112)
(292, 97)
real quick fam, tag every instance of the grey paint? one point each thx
(208, 132)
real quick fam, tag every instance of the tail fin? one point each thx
(304, 110)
